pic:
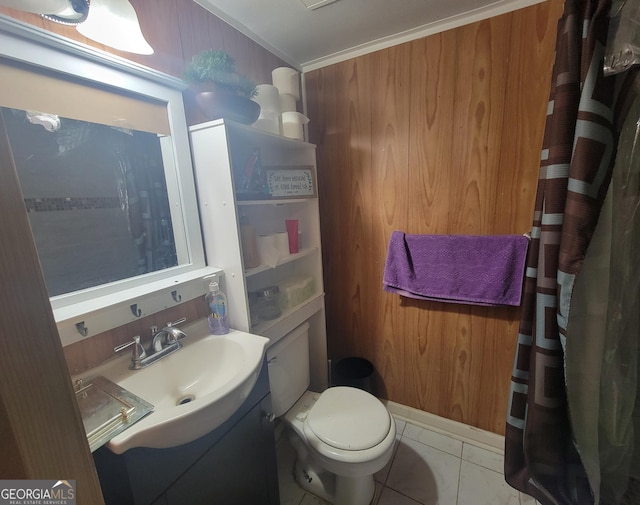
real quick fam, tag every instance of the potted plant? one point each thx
(219, 90)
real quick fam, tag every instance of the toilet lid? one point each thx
(348, 418)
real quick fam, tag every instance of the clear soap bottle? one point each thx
(218, 314)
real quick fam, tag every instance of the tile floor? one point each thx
(427, 468)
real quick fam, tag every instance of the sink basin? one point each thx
(193, 390)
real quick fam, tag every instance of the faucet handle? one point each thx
(118, 348)
(137, 354)
(176, 323)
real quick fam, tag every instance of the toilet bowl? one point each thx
(342, 436)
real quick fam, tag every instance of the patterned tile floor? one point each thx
(427, 468)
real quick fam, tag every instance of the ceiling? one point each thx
(342, 29)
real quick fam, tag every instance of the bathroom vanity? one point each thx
(233, 464)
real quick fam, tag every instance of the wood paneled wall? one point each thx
(41, 433)
(437, 136)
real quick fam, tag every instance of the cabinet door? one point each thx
(240, 469)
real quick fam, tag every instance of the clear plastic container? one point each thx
(295, 290)
(267, 304)
(248, 239)
(252, 308)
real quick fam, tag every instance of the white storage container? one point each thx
(292, 125)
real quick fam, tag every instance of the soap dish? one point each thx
(107, 409)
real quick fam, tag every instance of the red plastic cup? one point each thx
(292, 231)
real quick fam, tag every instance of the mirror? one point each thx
(103, 141)
(96, 197)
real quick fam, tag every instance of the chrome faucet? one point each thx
(165, 341)
(168, 336)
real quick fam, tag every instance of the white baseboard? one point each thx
(454, 429)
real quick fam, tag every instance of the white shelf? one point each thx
(217, 148)
(287, 259)
(289, 319)
(281, 201)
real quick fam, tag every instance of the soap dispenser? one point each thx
(218, 314)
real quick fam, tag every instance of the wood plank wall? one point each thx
(441, 135)
(41, 433)
(176, 29)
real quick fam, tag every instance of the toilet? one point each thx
(341, 436)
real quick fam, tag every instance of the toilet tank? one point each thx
(288, 361)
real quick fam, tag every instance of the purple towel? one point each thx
(477, 270)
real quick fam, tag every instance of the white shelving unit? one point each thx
(220, 153)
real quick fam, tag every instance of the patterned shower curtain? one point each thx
(584, 117)
(143, 193)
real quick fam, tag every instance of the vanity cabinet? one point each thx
(234, 464)
(236, 471)
(226, 155)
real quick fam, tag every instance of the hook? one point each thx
(82, 328)
(135, 310)
(176, 297)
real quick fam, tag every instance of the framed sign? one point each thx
(291, 182)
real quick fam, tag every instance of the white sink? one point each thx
(194, 390)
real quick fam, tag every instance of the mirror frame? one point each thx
(94, 310)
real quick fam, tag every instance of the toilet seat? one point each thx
(349, 419)
(342, 461)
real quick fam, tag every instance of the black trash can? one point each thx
(356, 372)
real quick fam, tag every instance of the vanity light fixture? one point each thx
(68, 12)
(114, 23)
(74, 13)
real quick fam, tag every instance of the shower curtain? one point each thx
(601, 358)
(584, 118)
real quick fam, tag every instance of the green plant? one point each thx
(219, 67)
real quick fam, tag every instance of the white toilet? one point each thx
(341, 436)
